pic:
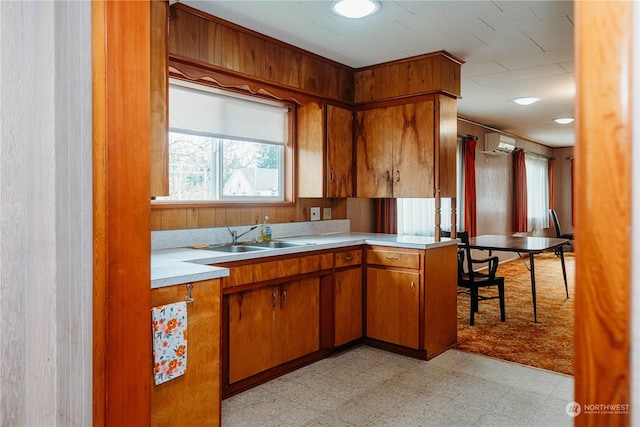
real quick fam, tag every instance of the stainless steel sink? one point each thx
(275, 245)
(235, 248)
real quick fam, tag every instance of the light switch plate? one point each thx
(326, 214)
(315, 214)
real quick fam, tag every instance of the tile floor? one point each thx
(370, 387)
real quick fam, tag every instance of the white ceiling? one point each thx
(511, 49)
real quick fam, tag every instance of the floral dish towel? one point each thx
(169, 341)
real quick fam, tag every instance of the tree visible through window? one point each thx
(224, 147)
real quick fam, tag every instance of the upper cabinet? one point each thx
(406, 127)
(396, 151)
(325, 151)
(159, 98)
(401, 142)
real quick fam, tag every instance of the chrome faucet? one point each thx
(235, 236)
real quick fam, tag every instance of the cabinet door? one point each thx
(374, 152)
(298, 324)
(393, 306)
(310, 150)
(413, 150)
(159, 178)
(252, 323)
(199, 387)
(339, 152)
(348, 306)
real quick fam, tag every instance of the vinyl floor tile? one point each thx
(366, 387)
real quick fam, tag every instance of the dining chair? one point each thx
(473, 281)
(556, 226)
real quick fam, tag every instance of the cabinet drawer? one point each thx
(393, 258)
(309, 264)
(276, 269)
(240, 275)
(347, 258)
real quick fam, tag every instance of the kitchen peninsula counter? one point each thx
(185, 264)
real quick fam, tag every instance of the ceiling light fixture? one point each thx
(355, 8)
(526, 101)
(563, 120)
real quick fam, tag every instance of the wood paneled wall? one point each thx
(605, 79)
(205, 38)
(121, 190)
(195, 217)
(427, 73)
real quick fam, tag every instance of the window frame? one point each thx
(288, 172)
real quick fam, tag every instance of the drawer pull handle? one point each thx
(284, 296)
(348, 257)
(413, 288)
(274, 299)
(392, 257)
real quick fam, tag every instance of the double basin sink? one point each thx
(250, 247)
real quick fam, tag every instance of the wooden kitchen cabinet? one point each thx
(348, 297)
(393, 306)
(252, 332)
(395, 150)
(159, 104)
(193, 398)
(272, 325)
(339, 152)
(325, 151)
(411, 298)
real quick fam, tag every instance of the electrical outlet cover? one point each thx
(315, 214)
(326, 214)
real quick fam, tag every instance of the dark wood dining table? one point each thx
(524, 245)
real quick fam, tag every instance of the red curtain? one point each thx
(470, 184)
(386, 216)
(572, 210)
(519, 192)
(552, 187)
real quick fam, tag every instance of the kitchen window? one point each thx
(224, 146)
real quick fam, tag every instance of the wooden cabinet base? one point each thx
(405, 351)
(193, 398)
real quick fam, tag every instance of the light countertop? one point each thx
(184, 265)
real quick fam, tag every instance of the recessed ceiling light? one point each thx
(355, 8)
(526, 101)
(563, 120)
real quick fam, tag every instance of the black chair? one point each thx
(556, 226)
(472, 281)
(559, 234)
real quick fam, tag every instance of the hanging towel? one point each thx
(169, 341)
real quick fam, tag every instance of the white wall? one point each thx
(45, 214)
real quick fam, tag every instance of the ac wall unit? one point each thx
(498, 144)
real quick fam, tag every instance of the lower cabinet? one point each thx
(393, 306)
(347, 306)
(412, 298)
(193, 398)
(272, 325)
